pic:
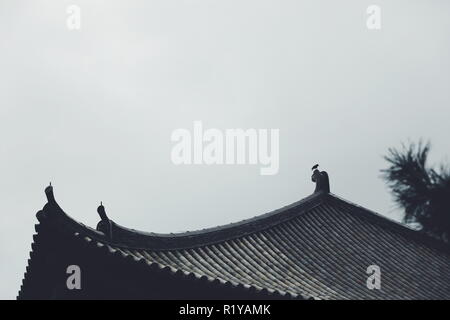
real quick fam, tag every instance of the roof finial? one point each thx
(49, 194)
(101, 212)
(104, 225)
(321, 179)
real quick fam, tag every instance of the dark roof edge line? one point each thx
(309, 199)
(26, 273)
(130, 238)
(34, 256)
(209, 236)
(378, 215)
(396, 226)
(134, 239)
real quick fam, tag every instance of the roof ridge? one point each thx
(135, 239)
(131, 238)
(232, 224)
(395, 225)
(381, 216)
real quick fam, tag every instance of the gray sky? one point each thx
(93, 110)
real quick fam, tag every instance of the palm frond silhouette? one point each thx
(422, 191)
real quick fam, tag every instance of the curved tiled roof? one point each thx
(318, 248)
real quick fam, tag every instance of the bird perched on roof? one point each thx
(315, 167)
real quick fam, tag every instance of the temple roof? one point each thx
(319, 247)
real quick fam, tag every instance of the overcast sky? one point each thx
(92, 110)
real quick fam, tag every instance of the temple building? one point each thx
(321, 247)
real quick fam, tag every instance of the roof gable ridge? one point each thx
(391, 224)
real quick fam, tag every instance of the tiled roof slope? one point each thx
(317, 248)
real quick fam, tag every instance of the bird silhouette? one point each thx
(315, 167)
